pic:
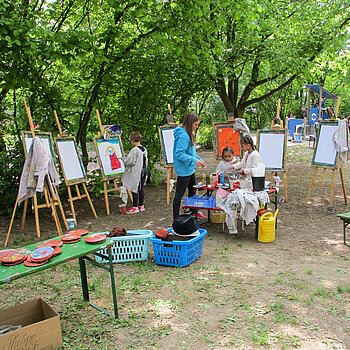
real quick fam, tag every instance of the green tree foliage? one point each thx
(246, 45)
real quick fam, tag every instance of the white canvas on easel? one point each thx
(271, 150)
(70, 160)
(326, 157)
(325, 153)
(168, 144)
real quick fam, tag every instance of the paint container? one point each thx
(71, 223)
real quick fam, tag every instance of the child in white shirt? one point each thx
(251, 158)
(228, 159)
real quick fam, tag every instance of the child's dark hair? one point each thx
(247, 139)
(227, 149)
(135, 136)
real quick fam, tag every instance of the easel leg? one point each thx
(71, 204)
(332, 188)
(51, 195)
(89, 199)
(311, 184)
(11, 223)
(106, 197)
(285, 186)
(130, 195)
(168, 175)
(24, 213)
(343, 184)
(61, 209)
(36, 215)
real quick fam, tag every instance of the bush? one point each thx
(11, 164)
(205, 136)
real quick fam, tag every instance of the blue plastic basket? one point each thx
(132, 247)
(178, 253)
(200, 201)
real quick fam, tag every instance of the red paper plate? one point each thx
(66, 238)
(15, 263)
(28, 263)
(7, 251)
(12, 258)
(78, 232)
(53, 243)
(41, 253)
(69, 242)
(56, 251)
(95, 239)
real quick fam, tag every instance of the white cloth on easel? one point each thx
(38, 164)
(341, 141)
(240, 124)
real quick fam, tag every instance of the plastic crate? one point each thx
(200, 201)
(132, 247)
(178, 253)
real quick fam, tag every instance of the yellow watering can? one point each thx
(267, 226)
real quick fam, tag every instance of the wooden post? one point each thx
(337, 108)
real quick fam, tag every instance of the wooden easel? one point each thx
(331, 186)
(107, 180)
(73, 183)
(51, 196)
(332, 165)
(274, 169)
(169, 176)
(169, 166)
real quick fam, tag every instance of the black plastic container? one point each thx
(258, 183)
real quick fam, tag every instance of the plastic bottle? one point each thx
(222, 179)
(203, 178)
(207, 180)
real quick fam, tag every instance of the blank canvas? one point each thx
(272, 150)
(325, 153)
(167, 135)
(71, 163)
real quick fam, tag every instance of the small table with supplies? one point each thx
(209, 190)
(79, 250)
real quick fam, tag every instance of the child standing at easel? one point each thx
(135, 173)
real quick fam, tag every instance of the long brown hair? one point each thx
(187, 123)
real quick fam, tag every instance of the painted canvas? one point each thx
(225, 136)
(110, 155)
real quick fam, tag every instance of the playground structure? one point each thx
(319, 111)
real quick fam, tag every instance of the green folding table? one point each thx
(345, 217)
(71, 251)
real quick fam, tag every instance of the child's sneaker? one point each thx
(123, 210)
(132, 210)
(142, 208)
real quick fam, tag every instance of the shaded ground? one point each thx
(240, 294)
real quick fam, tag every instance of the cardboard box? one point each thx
(41, 328)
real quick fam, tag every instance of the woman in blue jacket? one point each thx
(185, 159)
